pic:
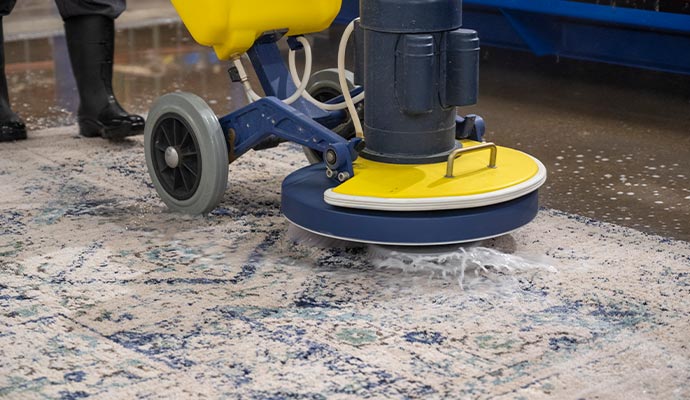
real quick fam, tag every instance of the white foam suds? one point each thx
(458, 261)
(472, 265)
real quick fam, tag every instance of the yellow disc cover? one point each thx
(383, 186)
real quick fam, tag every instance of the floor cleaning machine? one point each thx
(413, 173)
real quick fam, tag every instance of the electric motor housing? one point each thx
(417, 65)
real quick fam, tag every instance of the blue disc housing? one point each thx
(303, 204)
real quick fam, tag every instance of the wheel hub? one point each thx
(172, 157)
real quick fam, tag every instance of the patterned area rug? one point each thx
(105, 294)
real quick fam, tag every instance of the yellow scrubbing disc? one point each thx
(404, 187)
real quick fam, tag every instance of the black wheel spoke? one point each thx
(161, 147)
(165, 135)
(177, 177)
(170, 178)
(173, 132)
(180, 131)
(191, 177)
(188, 168)
(184, 138)
(182, 181)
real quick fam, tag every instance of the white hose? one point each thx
(302, 87)
(343, 80)
(301, 91)
(308, 97)
(252, 96)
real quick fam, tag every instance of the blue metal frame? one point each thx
(269, 116)
(618, 35)
(274, 76)
(271, 120)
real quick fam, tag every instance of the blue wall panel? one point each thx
(637, 38)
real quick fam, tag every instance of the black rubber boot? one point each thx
(11, 126)
(90, 40)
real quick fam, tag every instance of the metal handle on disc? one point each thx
(457, 153)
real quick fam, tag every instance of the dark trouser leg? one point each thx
(77, 8)
(90, 33)
(11, 127)
(6, 7)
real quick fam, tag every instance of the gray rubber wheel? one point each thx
(186, 153)
(323, 86)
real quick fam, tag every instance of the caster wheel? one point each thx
(324, 85)
(186, 153)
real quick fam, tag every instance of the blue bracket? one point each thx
(274, 75)
(256, 122)
(276, 81)
(471, 127)
(269, 121)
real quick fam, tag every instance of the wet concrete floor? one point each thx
(616, 140)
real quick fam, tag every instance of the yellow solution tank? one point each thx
(232, 26)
